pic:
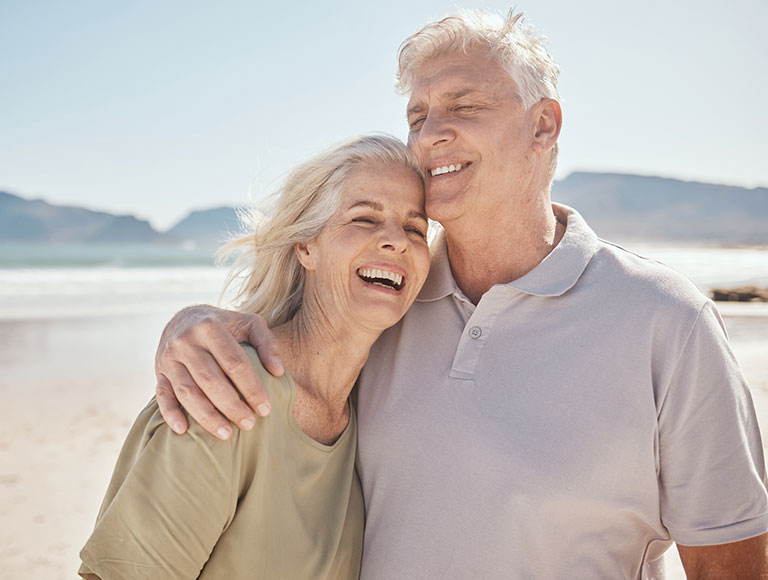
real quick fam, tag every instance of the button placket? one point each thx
(477, 331)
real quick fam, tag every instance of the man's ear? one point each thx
(305, 254)
(548, 118)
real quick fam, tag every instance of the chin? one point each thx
(443, 208)
(382, 318)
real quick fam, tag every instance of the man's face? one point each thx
(471, 134)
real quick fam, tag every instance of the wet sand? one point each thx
(70, 389)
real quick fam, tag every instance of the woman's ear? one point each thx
(549, 120)
(305, 254)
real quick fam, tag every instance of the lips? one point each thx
(382, 277)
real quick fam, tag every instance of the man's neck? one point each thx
(482, 255)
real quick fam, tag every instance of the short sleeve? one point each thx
(169, 501)
(712, 471)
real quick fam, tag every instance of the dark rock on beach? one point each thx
(743, 294)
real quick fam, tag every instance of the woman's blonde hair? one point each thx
(266, 276)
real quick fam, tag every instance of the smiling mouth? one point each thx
(379, 277)
(451, 168)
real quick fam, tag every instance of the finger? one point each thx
(169, 405)
(212, 382)
(197, 404)
(235, 364)
(265, 343)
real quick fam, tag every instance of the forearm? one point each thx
(743, 560)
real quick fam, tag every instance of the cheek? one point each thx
(413, 145)
(332, 286)
(338, 258)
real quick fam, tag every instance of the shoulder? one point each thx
(150, 430)
(617, 275)
(639, 297)
(644, 281)
(279, 389)
(150, 425)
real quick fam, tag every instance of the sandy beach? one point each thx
(70, 389)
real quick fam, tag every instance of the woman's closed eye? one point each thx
(416, 230)
(365, 219)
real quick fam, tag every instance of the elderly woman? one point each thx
(341, 259)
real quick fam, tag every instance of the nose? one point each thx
(393, 239)
(435, 130)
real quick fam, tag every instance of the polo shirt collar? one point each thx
(440, 282)
(554, 276)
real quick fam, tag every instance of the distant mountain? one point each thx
(624, 207)
(617, 206)
(209, 227)
(38, 221)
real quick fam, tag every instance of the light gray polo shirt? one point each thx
(571, 425)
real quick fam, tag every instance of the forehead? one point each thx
(390, 184)
(457, 73)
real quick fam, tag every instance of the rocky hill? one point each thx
(617, 206)
(625, 207)
(208, 227)
(38, 221)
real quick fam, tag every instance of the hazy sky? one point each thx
(155, 108)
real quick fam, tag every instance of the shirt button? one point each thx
(475, 332)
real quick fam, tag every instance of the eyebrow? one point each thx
(372, 204)
(378, 207)
(459, 94)
(412, 110)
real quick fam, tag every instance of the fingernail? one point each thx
(263, 409)
(178, 428)
(247, 424)
(276, 362)
(223, 433)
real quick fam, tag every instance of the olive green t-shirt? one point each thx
(268, 503)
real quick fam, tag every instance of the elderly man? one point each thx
(552, 406)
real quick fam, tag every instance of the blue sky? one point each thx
(156, 108)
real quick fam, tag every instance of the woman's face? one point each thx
(371, 259)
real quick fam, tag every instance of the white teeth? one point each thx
(396, 278)
(445, 169)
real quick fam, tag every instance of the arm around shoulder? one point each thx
(198, 361)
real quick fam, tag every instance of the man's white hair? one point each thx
(515, 45)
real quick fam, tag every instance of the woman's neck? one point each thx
(324, 360)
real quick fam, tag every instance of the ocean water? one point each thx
(25, 256)
(710, 266)
(43, 282)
